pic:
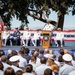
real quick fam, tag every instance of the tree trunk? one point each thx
(60, 21)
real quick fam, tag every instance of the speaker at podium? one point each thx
(0, 38)
(46, 39)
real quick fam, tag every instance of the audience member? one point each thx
(19, 72)
(22, 49)
(40, 69)
(55, 68)
(22, 61)
(37, 49)
(29, 70)
(61, 52)
(41, 54)
(26, 54)
(4, 62)
(1, 53)
(48, 71)
(46, 53)
(33, 62)
(67, 67)
(15, 62)
(37, 59)
(9, 71)
(1, 68)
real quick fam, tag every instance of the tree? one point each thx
(38, 9)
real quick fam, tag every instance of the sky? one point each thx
(69, 22)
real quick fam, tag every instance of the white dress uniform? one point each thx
(26, 36)
(49, 27)
(5, 35)
(60, 37)
(35, 38)
(66, 68)
(5, 65)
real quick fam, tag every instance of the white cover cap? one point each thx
(14, 58)
(67, 57)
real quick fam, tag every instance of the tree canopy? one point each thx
(38, 9)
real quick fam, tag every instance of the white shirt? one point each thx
(5, 65)
(66, 69)
(40, 70)
(5, 34)
(59, 35)
(36, 36)
(28, 73)
(26, 35)
(22, 62)
(16, 68)
(49, 27)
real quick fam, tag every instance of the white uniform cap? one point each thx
(67, 57)
(59, 29)
(14, 58)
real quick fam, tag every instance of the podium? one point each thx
(46, 39)
(0, 38)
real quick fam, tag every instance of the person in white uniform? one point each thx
(35, 38)
(59, 37)
(5, 36)
(49, 27)
(26, 38)
(67, 67)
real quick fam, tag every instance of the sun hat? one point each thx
(14, 58)
(67, 57)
